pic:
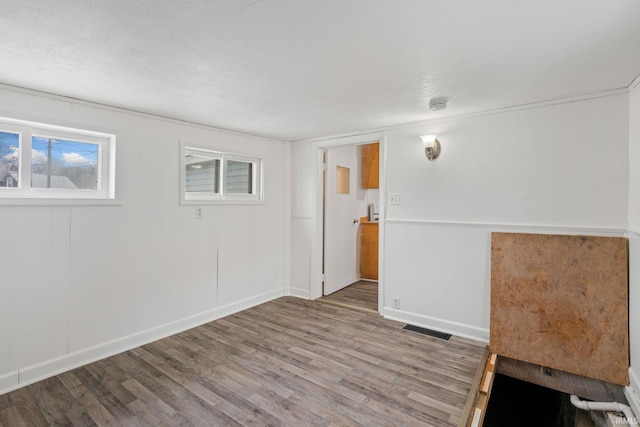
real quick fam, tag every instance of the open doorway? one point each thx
(351, 212)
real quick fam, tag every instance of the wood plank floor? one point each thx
(361, 294)
(288, 362)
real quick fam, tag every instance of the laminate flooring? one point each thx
(361, 294)
(288, 362)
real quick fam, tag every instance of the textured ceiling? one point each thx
(294, 69)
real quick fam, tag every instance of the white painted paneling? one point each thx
(559, 166)
(6, 286)
(286, 218)
(634, 158)
(265, 271)
(27, 106)
(300, 256)
(83, 249)
(440, 271)
(82, 282)
(194, 249)
(634, 236)
(562, 164)
(110, 286)
(60, 256)
(302, 204)
(302, 165)
(31, 286)
(233, 255)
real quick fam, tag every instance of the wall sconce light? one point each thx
(431, 146)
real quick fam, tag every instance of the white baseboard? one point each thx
(34, 373)
(300, 293)
(441, 325)
(632, 392)
(9, 381)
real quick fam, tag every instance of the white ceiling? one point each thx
(294, 69)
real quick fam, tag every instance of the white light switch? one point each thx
(394, 199)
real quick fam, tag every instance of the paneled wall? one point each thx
(81, 282)
(555, 168)
(634, 240)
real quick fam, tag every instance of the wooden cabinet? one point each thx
(370, 166)
(368, 249)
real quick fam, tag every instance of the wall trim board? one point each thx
(9, 381)
(633, 231)
(349, 139)
(34, 373)
(632, 392)
(546, 229)
(441, 325)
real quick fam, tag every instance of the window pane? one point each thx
(62, 164)
(238, 177)
(201, 174)
(9, 159)
(342, 180)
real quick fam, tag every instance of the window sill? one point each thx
(221, 202)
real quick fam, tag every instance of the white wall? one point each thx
(559, 168)
(634, 241)
(82, 282)
(302, 207)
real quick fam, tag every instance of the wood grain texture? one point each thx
(566, 382)
(561, 302)
(288, 362)
(361, 294)
(370, 166)
(368, 249)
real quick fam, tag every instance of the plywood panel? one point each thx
(561, 302)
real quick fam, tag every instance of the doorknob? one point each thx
(356, 220)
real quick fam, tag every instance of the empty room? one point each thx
(280, 212)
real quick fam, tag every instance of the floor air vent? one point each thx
(426, 331)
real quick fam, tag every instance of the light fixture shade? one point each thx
(431, 146)
(428, 140)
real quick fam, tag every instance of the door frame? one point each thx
(317, 215)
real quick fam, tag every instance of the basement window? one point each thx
(39, 161)
(216, 176)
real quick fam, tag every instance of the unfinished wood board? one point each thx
(565, 382)
(562, 302)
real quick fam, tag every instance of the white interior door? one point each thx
(341, 223)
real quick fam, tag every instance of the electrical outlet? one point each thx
(199, 214)
(394, 199)
(396, 302)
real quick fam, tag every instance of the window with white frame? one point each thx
(41, 161)
(211, 175)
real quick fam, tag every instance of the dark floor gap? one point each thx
(519, 403)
